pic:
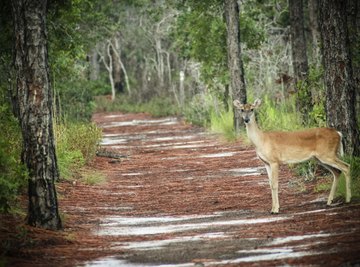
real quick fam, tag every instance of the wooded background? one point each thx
(192, 58)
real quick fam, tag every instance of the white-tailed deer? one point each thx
(274, 148)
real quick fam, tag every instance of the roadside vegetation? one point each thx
(164, 58)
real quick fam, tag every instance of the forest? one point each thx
(63, 61)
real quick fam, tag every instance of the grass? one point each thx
(282, 116)
(76, 145)
(223, 123)
(157, 106)
(92, 177)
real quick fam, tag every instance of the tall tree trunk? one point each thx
(315, 34)
(353, 7)
(116, 71)
(299, 58)
(235, 65)
(94, 64)
(34, 99)
(340, 89)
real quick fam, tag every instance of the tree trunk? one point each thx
(94, 65)
(340, 89)
(353, 7)
(299, 58)
(237, 81)
(116, 71)
(315, 34)
(34, 100)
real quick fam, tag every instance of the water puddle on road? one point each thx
(132, 226)
(247, 171)
(166, 121)
(164, 237)
(218, 155)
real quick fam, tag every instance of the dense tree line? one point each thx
(57, 55)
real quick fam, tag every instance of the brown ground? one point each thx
(181, 196)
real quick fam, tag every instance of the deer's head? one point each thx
(247, 110)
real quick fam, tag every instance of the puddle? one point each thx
(132, 226)
(176, 137)
(115, 116)
(247, 171)
(218, 155)
(158, 244)
(288, 239)
(115, 262)
(111, 141)
(153, 220)
(166, 121)
(132, 174)
(174, 145)
(271, 255)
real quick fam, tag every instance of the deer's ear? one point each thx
(237, 104)
(257, 103)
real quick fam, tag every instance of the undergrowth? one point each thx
(223, 123)
(156, 106)
(355, 180)
(13, 174)
(76, 145)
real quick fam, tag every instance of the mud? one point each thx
(181, 196)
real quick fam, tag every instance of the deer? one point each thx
(280, 147)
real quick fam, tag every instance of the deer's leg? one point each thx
(335, 172)
(268, 170)
(345, 168)
(274, 185)
(336, 166)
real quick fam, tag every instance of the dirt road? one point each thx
(179, 196)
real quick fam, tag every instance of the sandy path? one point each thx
(180, 196)
(185, 198)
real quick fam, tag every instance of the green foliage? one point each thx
(93, 178)
(307, 169)
(272, 116)
(75, 99)
(201, 35)
(198, 111)
(156, 106)
(76, 145)
(223, 123)
(315, 82)
(13, 174)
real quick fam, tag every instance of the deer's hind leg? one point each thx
(336, 166)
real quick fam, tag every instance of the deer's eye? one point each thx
(252, 110)
(242, 110)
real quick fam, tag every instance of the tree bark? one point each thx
(235, 65)
(353, 19)
(299, 58)
(94, 65)
(34, 100)
(339, 82)
(315, 34)
(116, 71)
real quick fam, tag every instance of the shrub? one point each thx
(198, 111)
(76, 145)
(156, 106)
(223, 123)
(282, 116)
(13, 175)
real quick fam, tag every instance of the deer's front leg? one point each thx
(273, 172)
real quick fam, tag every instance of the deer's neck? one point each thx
(254, 133)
